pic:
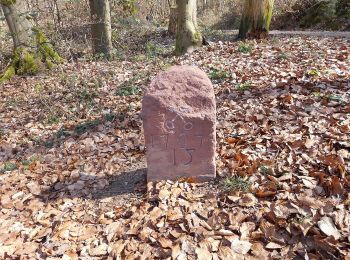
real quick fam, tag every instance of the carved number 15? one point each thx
(189, 153)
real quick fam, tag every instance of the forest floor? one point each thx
(72, 168)
(336, 34)
(227, 35)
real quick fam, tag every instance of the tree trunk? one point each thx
(20, 28)
(256, 19)
(31, 47)
(101, 30)
(188, 37)
(172, 20)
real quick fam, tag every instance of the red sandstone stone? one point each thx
(179, 114)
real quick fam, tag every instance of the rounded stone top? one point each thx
(185, 89)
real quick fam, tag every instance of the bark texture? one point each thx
(31, 48)
(20, 28)
(188, 37)
(256, 19)
(172, 20)
(101, 27)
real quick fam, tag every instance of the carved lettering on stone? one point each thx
(179, 113)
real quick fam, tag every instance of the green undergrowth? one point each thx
(342, 9)
(313, 73)
(152, 50)
(81, 128)
(8, 166)
(328, 13)
(218, 75)
(132, 86)
(244, 47)
(86, 126)
(27, 162)
(244, 86)
(283, 56)
(236, 183)
(322, 12)
(7, 2)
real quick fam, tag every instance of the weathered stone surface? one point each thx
(179, 115)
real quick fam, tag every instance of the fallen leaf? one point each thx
(248, 200)
(327, 226)
(165, 242)
(272, 245)
(240, 246)
(203, 254)
(99, 250)
(34, 188)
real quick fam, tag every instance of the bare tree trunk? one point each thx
(58, 13)
(172, 20)
(188, 37)
(20, 28)
(31, 47)
(256, 18)
(101, 30)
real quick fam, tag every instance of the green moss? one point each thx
(46, 51)
(195, 40)
(28, 62)
(256, 19)
(8, 74)
(268, 14)
(23, 62)
(49, 64)
(197, 37)
(7, 2)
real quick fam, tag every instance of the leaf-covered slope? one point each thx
(71, 140)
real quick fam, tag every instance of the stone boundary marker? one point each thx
(179, 117)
